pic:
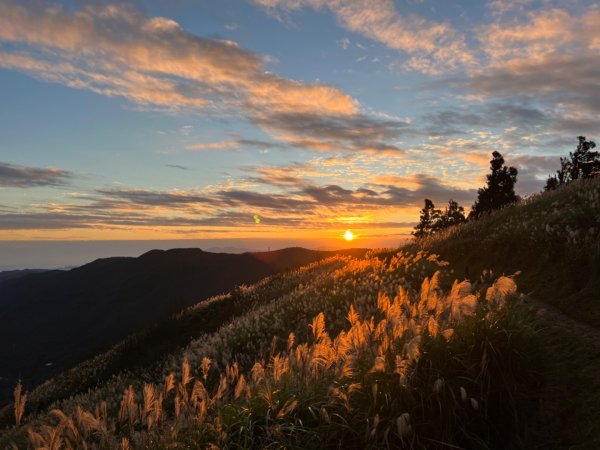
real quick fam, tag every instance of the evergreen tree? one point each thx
(453, 215)
(582, 163)
(500, 189)
(427, 220)
(433, 220)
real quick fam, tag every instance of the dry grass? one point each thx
(390, 356)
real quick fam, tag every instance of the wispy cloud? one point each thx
(499, 7)
(27, 177)
(118, 51)
(433, 47)
(292, 202)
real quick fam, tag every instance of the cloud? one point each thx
(551, 57)
(556, 77)
(344, 43)
(177, 166)
(265, 200)
(538, 78)
(544, 32)
(235, 144)
(433, 47)
(44, 221)
(115, 50)
(480, 119)
(218, 145)
(153, 198)
(119, 51)
(27, 177)
(284, 197)
(499, 7)
(333, 133)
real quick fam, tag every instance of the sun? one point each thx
(348, 235)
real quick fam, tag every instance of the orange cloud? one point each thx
(117, 51)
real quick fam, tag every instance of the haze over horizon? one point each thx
(294, 119)
(18, 255)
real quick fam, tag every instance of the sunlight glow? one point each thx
(348, 235)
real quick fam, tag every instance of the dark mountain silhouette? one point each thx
(52, 320)
(12, 274)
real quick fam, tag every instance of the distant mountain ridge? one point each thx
(51, 320)
(6, 275)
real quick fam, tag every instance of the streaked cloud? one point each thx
(433, 47)
(295, 201)
(499, 7)
(27, 177)
(118, 51)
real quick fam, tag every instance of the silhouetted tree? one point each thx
(500, 189)
(433, 220)
(453, 215)
(427, 220)
(582, 163)
(551, 183)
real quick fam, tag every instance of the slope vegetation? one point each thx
(552, 238)
(52, 320)
(383, 351)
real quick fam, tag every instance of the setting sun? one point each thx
(348, 235)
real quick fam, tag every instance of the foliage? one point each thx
(144, 354)
(394, 355)
(434, 220)
(553, 238)
(427, 220)
(500, 189)
(583, 163)
(453, 215)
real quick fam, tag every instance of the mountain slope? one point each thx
(51, 320)
(552, 238)
(382, 351)
(13, 274)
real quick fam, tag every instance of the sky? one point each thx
(246, 120)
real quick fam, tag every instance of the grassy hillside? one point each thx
(395, 350)
(552, 238)
(143, 354)
(73, 315)
(367, 353)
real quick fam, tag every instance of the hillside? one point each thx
(394, 350)
(552, 238)
(55, 319)
(13, 274)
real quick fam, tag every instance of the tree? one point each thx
(500, 189)
(453, 215)
(433, 220)
(427, 220)
(582, 163)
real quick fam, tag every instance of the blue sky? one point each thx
(185, 119)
